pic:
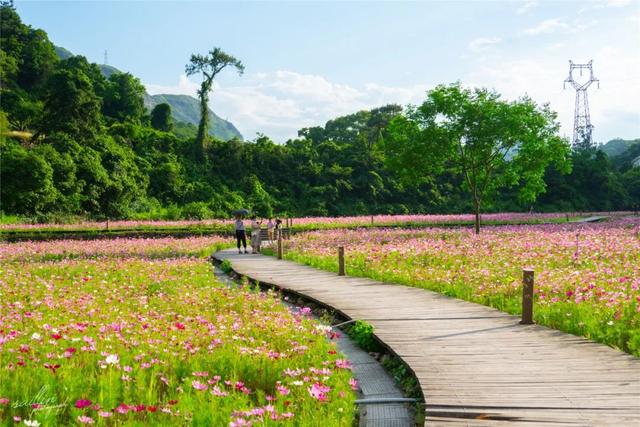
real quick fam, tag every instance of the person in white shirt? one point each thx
(255, 235)
(241, 237)
(270, 226)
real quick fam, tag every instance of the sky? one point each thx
(308, 62)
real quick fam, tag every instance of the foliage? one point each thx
(225, 266)
(362, 333)
(27, 180)
(123, 98)
(492, 143)
(161, 117)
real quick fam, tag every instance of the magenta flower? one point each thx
(82, 403)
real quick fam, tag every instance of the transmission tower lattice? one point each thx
(582, 126)
(106, 58)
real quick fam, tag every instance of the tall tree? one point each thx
(70, 105)
(210, 66)
(123, 98)
(161, 117)
(493, 143)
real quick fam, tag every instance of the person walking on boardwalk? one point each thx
(240, 235)
(255, 234)
(270, 226)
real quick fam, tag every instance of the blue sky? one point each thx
(307, 62)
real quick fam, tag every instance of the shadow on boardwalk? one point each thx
(476, 365)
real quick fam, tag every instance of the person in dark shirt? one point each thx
(241, 236)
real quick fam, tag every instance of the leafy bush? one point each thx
(196, 210)
(362, 333)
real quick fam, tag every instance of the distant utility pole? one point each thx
(106, 57)
(582, 127)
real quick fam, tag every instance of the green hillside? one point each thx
(617, 147)
(184, 108)
(108, 70)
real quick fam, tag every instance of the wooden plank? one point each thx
(476, 365)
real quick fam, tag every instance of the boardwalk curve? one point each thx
(475, 365)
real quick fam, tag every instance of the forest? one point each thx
(74, 143)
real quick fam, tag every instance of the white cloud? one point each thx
(547, 26)
(613, 107)
(555, 25)
(184, 87)
(280, 103)
(483, 43)
(605, 4)
(526, 7)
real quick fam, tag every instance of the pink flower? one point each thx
(198, 385)
(319, 391)
(354, 384)
(215, 390)
(82, 403)
(122, 408)
(85, 420)
(343, 364)
(200, 374)
(305, 311)
(282, 390)
(3, 400)
(105, 414)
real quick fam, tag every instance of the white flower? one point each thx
(298, 383)
(31, 423)
(36, 336)
(112, 359)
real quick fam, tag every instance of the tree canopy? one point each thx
(492, 143)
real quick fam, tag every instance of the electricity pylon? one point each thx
(582, 126)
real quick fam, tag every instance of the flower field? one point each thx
(587, 276)
(306, 223)
(138, 332)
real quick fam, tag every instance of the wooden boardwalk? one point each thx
(476, 365)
